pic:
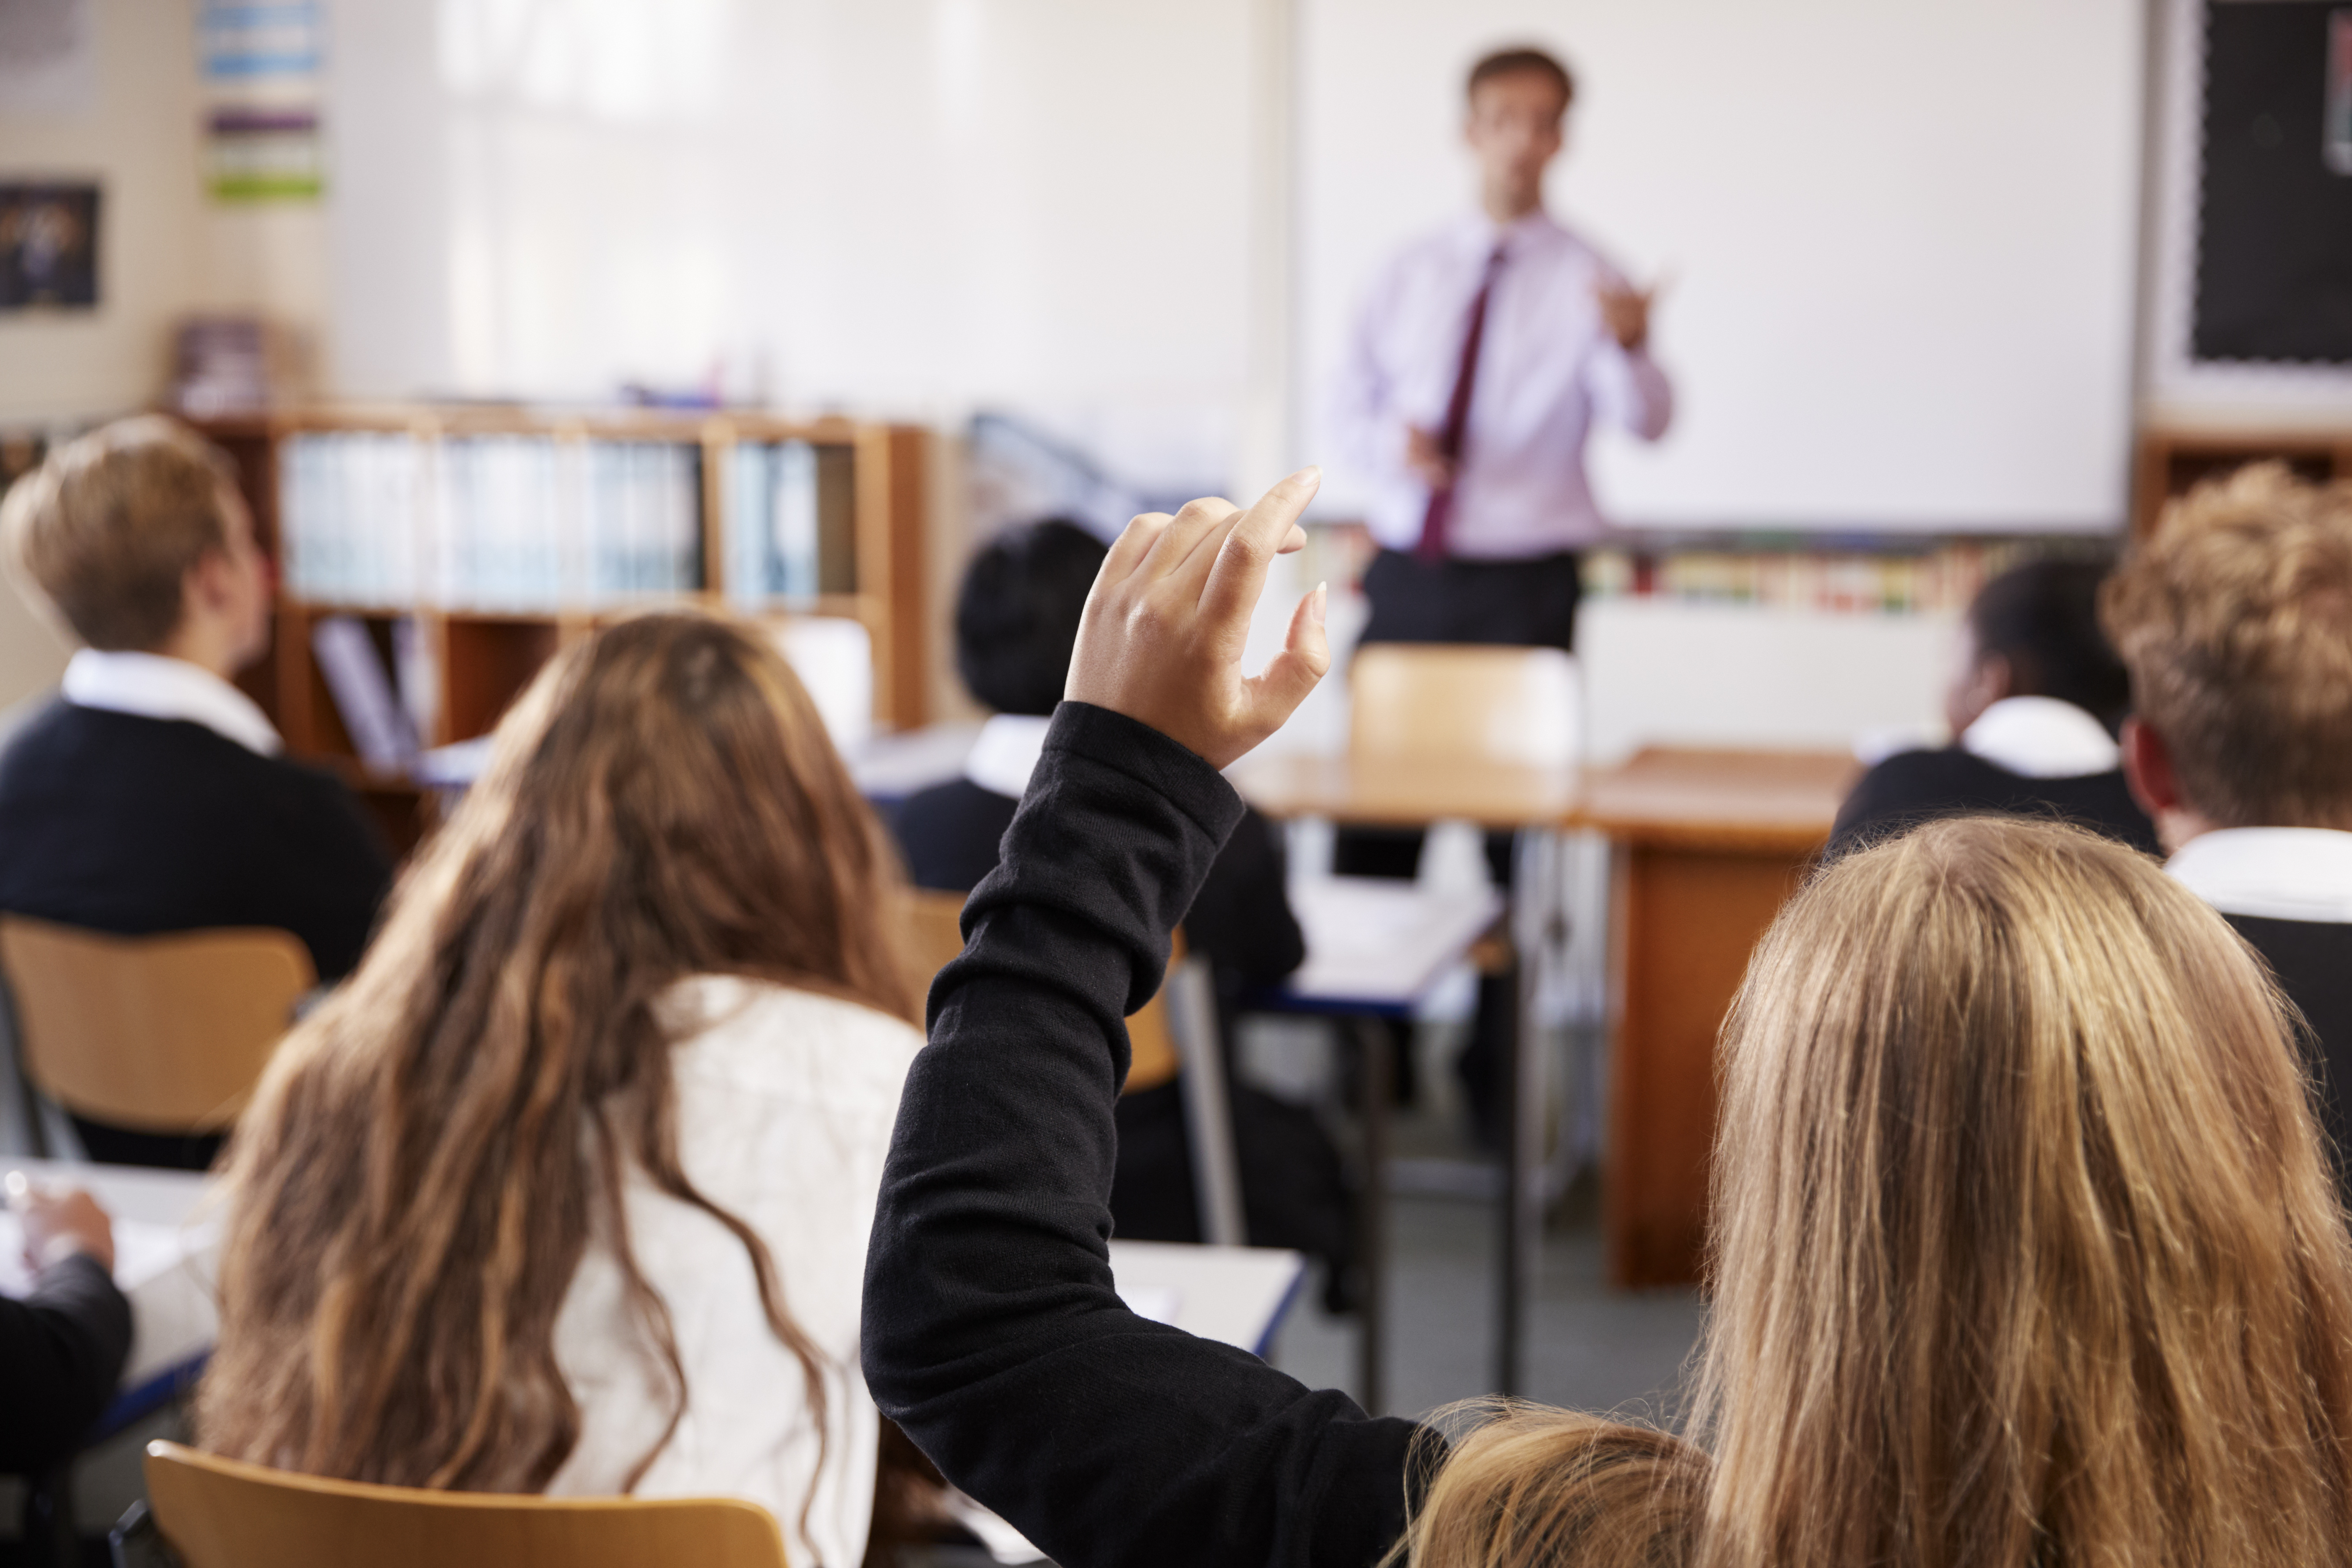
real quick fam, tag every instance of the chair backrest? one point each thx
(1443, 702)
(162, 1033)
(221, 1513)
(935, 923)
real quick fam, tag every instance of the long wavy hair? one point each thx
(2025, 1252)
(429, 1154)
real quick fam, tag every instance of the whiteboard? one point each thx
(1900, 238)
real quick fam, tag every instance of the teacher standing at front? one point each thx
(1484, 356)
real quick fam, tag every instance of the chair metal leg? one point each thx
(1208, 1107)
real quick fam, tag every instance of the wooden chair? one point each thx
(1162, 1039)
(1443, 702)
(221, 1513)
(164, 1034)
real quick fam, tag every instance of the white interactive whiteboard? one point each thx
(1900, 238)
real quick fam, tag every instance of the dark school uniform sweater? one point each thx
(120, 824)
(1915, 787)
(992, 1334)
(135, 826)
(2313, 961)
(61, 1349)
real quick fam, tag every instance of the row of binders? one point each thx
(542, 523)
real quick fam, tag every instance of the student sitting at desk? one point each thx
(2034, 707)
(568, 1188)
(151, 796)
(2010, 1126)
(2236, 621)
(62, 1347)
(1016, 619)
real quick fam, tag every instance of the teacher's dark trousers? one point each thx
(1516, 603)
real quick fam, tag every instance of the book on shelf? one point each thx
(500, 522)
(382, 729)
(771, 512)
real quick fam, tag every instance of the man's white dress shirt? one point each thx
(1548, 369)
(155, 685)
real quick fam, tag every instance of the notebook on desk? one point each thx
(165, 1270)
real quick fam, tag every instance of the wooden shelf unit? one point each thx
(2171, 460)
(484, 657)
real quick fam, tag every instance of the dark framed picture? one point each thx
(48, 245)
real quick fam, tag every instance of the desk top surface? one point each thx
(1761, 801)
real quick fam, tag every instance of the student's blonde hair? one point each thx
(2024, 1251)
(2235, 619)
(106, 528)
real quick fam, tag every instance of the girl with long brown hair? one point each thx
(568, 1188)
(2025, 1254)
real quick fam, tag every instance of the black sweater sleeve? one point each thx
(992, 1333)
(61, 1350)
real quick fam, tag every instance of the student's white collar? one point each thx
(2041, 738)
(1006, 753)
(2279, 874)
(155, 685)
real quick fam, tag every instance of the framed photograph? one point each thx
(48, 247)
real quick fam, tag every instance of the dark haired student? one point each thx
(1016, 620)
(2036, 706)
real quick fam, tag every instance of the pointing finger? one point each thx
(1238, 573)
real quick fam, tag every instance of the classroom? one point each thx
(1308, 783)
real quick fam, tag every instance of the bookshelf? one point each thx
(2171, 460)
(470, 544)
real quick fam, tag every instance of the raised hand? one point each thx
(1164, 628)
(1626, 311)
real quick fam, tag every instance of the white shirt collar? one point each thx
(1006, 753)
(154, 686)
(2041, 738)
(2278, 873)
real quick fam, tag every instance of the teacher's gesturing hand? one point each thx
(1165, 625)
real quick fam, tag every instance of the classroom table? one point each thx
(1375, 949)
(1416, 794)
(1707, 846)
(166, 1250)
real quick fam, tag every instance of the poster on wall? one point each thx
(48, 56)
(261, 66)
(48, 247)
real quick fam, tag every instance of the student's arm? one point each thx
(992, 1333)
(62, 1348)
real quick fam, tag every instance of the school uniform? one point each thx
(993, 1333)
(784, 1103)
(61, 1350)
(1294, 1192)
(2288, 891)
(2022, 756)
(151, 796)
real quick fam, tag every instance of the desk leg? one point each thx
(1690, 919)
(1373, 1217)
(1534, 909)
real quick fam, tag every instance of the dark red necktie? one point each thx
(1438, 520)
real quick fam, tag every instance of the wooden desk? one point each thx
(1709, 844)
(1400, 794)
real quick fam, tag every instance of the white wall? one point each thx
(1899, 235)
(896, 206)
(137, 135)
